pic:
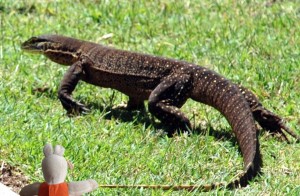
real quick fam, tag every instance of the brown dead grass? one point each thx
(12, 177)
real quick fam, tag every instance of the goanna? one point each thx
(166, 84)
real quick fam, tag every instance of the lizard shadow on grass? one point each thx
(144, 117)
(121, 113)
(110, 111)
(138, 116)
(222, 134)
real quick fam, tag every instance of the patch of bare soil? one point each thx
(12, 177)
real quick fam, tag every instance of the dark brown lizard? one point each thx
(166, 84)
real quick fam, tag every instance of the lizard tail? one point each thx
(224, 96)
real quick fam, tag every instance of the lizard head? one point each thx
(60, 49)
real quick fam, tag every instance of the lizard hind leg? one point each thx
(166, 99)
(267, 119)
(273, 123)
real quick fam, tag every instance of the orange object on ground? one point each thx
(53, 189)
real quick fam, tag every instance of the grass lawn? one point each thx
(255, 43)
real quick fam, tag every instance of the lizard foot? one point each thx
(76, 109)
(72, 106)
(275, 125)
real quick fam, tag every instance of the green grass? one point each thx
(251, 42)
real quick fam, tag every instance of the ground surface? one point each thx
(12, 177)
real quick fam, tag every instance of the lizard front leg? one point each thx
(166, 99)
(267, 119)
(67, 86)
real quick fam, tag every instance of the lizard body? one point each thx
(166, 84)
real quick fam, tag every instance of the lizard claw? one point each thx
(77, 108)
(289, 131)
(72, 106)
(275, 125)
(82, 108)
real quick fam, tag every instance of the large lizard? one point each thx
(166, 84)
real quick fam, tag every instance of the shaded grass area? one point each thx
(253, 43)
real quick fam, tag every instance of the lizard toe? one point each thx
(77, 109)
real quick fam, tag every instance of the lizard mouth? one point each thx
(34, 45)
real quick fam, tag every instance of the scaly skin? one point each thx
(166, 84)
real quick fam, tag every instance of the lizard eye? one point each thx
(41, 45)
